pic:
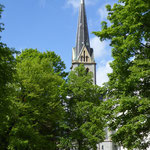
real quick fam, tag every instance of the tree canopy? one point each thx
(129, 84)
(7, 70)
(39, 109)
(55, 60)
(84, 123)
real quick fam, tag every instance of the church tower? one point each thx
(83, 53)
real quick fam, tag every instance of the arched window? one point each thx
(102, 147)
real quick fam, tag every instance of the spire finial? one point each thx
(82, 1)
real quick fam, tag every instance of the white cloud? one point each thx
(103, 13)
(102, 53)
(76, 3)
(101, 73)
(98, 46)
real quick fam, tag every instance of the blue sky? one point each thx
(52, 25)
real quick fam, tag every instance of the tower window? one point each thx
(87, 58)
(102, 147)
(84, 56)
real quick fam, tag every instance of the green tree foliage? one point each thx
(84, 121)
(129, 83)
(39, 109)
(56, 62)
(1, 24)
(7, 69)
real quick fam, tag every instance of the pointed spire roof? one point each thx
(82, 32)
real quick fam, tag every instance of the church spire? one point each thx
(83, 53)
(82, 32)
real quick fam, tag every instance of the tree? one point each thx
(39, 109)
(1, 24)
(129, 83)
(84, 123)
(7, 70)
(56, 62)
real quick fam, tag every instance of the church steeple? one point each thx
(82, 31)
(83, 53)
